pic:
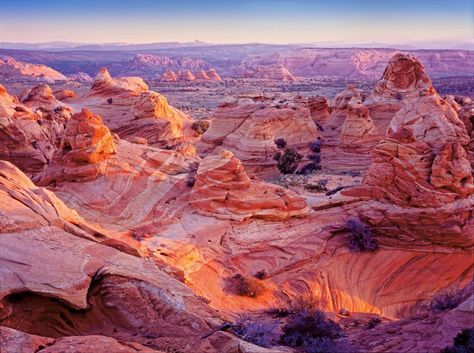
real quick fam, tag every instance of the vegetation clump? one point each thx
(462, 343)
(261, 333)
(242, 286)
(280, 143)
(361, 236)
(288, 161)
(446, 300)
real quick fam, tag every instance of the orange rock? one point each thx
(185, 76)
(169, 76)
(129, 109)
(202, 75)
(213, 75)
(224, 190)
(249, 126)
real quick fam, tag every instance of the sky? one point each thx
(236, 21)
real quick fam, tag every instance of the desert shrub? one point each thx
(260, 274)
(462, 343)
(288, 161)
(110, 100)
(280, 143)
(261, 333)
(315, 146)
(324, 345)
(242, 286)
(315, 157)
(278, 312)
(200, 126)
(335, 190)
(361, 236)
(320, 186)
(375, 321)
(191, 181)
(307, 322)
(309, 168)
(446, 300)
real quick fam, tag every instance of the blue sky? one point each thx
(236, 21)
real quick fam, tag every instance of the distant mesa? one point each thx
(14, 69)
(275, 72)
(213, 75)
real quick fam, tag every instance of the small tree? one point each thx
(280, 143)
(288, 161)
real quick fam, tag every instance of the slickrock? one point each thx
(42, 98)
(13, 69)
(169, 76)
(29, 139)
(58, 280)
(349, 134)
(249, 126)
(319, 108)
(421, 179)
(186, 75)
(202, 75)
(129, 109)
(213, 75)
(224, 190)
(64, 94)
(358, 126)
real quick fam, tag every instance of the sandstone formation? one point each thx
(319, 109)
(358, 126)
(81, 77)
(64, 94)
(186, 75)
(421, 179)
(29, 139)
(213, 75)
(202, 75)
(13, 69)
(269, 72)
(249, 126)
(169, 76)
(130, 109)
(224, 190)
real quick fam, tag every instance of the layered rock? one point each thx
(421, 179)
(276, 72)
(202, 75)
(224, 190)
(249, 126)
(13, 69)
(29, 139)
(319, 109)
(169, 76)
(129, 109)
(358, 125)
(213, 75)
(186, 75)
(81, 77)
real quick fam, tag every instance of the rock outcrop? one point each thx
(169, 76)
(213, 75)
(319, 109)
(249, 126)
(269, 72)
(224, 190)
(28, 139)
(421, 179)
(358, 126)
(202, 75)
(130, 109)
(13, 69)
(186, 75)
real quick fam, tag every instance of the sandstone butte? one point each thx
(248, 127)
(131, 110)
(11, 68)
(125, 246)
